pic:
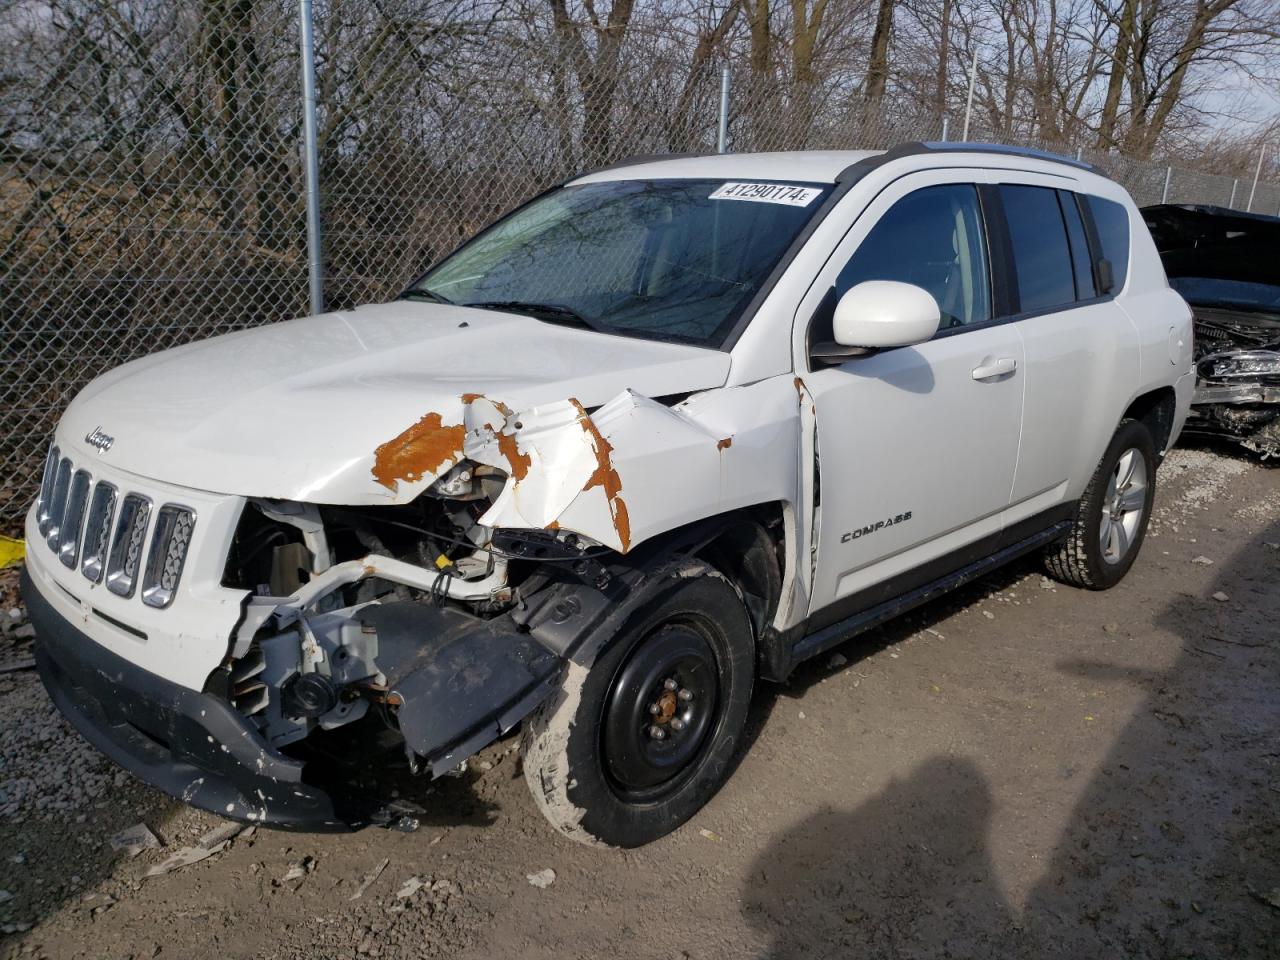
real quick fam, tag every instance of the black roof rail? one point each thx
(913, 148)
(1006, 150)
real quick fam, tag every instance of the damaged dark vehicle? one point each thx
(1226, 265)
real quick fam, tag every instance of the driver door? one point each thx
(917, 445)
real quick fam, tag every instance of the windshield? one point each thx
(662, 259)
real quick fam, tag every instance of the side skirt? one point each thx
(836, 633)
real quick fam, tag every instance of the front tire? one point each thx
(634, 745)
(1111, 521)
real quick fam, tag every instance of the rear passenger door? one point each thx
(1080, 347)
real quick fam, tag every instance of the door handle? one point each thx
(990, 368)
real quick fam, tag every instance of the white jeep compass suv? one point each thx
(666, 429)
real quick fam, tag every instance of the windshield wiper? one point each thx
(550, 312)
(421, 294)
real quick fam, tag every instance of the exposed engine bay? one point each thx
(343, 596)
(1226, 264)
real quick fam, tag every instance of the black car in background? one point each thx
(1226, 265)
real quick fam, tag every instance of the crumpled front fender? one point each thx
(626, 472)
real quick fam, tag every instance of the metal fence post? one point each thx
(311, 157)
(968, 103)
(722, 135)
(1079, 154)
(1168, 175)
(946, 123)
(1232, 202)
(1262, 152)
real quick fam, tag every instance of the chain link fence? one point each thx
(152, 184)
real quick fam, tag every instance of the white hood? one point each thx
(297, 410)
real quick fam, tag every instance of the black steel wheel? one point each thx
(660, 710)
(636, 743)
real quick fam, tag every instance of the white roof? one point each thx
(811, 166)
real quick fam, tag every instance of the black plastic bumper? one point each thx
(191, 745)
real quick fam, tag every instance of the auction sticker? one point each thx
(786, 193)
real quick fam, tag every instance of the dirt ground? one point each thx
(1019, 770)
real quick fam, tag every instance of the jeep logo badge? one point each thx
(102, 441)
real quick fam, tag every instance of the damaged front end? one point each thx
(1238, 379)
(437, 624)
(1226, 265)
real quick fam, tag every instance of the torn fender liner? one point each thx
(460, 681)
(191, 745)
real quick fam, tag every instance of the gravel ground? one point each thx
(1021, 769)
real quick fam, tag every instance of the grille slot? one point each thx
(58, 503)
(97, 531)
(103, 531)
(126, 549)
(72, 518)
(167, 555)
(43, 514)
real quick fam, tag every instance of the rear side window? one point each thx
(1080, 259)
(1041, 255)
(1111, 220)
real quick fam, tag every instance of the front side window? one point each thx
(934, 239)
(661, 259)
(1041, 256)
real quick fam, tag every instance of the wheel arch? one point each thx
(745, 546)
(1156, 410)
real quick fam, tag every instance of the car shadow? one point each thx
(1170, 851)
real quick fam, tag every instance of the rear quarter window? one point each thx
(1111, 221)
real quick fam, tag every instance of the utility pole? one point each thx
(311, 157)
(722, 137)
(968, 104)
(1262, 152)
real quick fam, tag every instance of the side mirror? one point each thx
(885, 313)
(876, 314)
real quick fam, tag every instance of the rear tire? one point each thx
(1111, 520)
(684, 666)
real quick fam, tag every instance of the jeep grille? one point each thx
(104, 531)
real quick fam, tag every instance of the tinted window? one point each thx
(934, 239)
(1112, 223)
(665, 259)
(1080, 258)
(1042, 259)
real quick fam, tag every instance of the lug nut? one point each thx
(654, 709)
(677, 724)
(685, 694)
(669, 684)
(656, 732)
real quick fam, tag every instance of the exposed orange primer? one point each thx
(520, 462)
(507, 446)
(418, 452)
(553, 525)
(799, 386)
(606, 477)
(725, 444)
